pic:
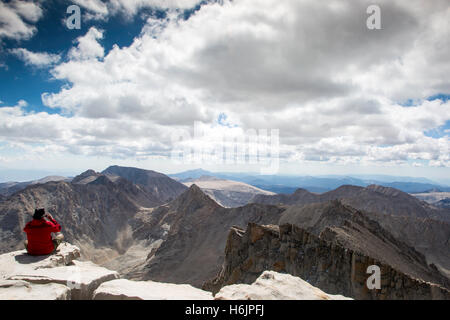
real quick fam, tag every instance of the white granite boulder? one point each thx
(19, 261)
(272, 285)
(20, 290)
(123, 289)
(79, 277)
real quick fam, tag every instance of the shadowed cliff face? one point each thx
(326, 262)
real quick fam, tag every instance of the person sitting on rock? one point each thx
(39, 234)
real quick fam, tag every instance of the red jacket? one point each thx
(39, 236)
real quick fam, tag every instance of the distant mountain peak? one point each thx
(89, 172)
(83, 178)
(158, 184)
(194, 197)
(191, 174)
(301, 191)
(101, 180)
(120, 171)
(194, 191)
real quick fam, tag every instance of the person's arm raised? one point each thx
(56, 227)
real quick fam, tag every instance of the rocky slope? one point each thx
(192, 249)
(8, 188)
(356, 231)
(428, 236)
(325, 262)
(410, 220)
(227, 193)
(196, 228)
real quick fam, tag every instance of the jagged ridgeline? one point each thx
(148, 226)
(95, 209)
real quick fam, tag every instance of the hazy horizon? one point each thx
(22, 175)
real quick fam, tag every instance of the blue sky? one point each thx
(343, 99)
(54, 37)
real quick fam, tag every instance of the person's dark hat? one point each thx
(38, 214)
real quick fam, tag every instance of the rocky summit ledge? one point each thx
(21, 261)
(272, 285)
(123, 289)
(55, 276)
(20, 290)
(61, 276)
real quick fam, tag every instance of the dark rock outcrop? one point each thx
(325, 262)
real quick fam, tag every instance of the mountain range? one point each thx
(148, 226)
(318, 184)
(95, 208)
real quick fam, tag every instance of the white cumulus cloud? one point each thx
(17, 18)
(37, 59)
(101, 10)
